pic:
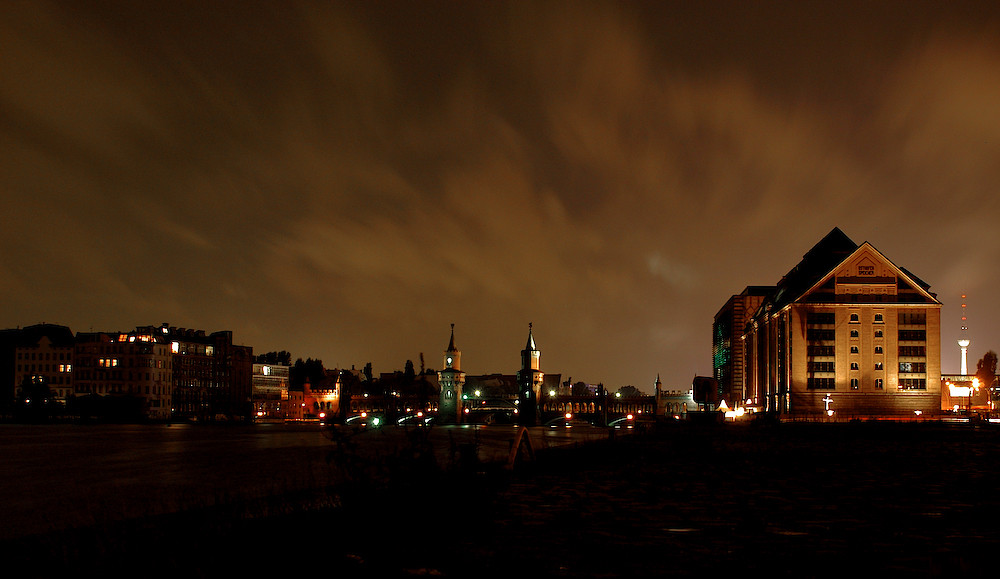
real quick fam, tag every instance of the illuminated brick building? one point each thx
(849, 331)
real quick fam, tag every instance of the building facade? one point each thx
(728, 361)
(212, 376)
(451, 380)
(44, 358)
(848, 332)
(130, 367)
(269, 385)
(529, 380)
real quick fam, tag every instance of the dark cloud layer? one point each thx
(344, 180)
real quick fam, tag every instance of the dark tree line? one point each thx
(986, 371)
(282, 358)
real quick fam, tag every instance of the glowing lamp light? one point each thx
(569, 415)
(479, 393)
(466, 410)
(322, 414)
(918, 412)
(629, 417)
(364, 415)
(552, 392)
(829, 412)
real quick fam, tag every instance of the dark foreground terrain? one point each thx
(803, 500)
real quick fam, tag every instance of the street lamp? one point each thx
(826, 402)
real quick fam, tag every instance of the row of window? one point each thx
(85, 375)
(856, 320)
(119, 389)
(45, 356)
(821, 367)
(913, 351)
(61, 368)
(41, 379)
(817, 350)
(856, 384)
(904, 318)
(913, 318)
(816, 383)
(904, 367)
(828, 335)
(117, 362)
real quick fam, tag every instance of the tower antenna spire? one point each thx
(963, 340)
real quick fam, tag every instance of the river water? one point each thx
(61, 476)
(57, 476)
(789, 500)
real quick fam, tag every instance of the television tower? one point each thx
(963, 341)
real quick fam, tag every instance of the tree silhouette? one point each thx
(302, 370)
(282, 358)
(986, 371)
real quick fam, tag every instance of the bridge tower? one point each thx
(451, 379)
(529, 383)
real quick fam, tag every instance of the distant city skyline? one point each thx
(345, 181)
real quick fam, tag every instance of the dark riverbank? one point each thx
(784, 499)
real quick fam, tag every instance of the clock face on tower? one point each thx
(448, 361)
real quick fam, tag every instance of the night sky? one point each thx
(345, 180)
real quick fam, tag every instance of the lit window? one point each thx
(878, 383)
(878, 365)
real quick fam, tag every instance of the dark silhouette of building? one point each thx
(132, 367)
(529, 381)
(727, 343)
(451, 379)
(212, 376)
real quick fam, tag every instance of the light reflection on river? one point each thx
(54, 476)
